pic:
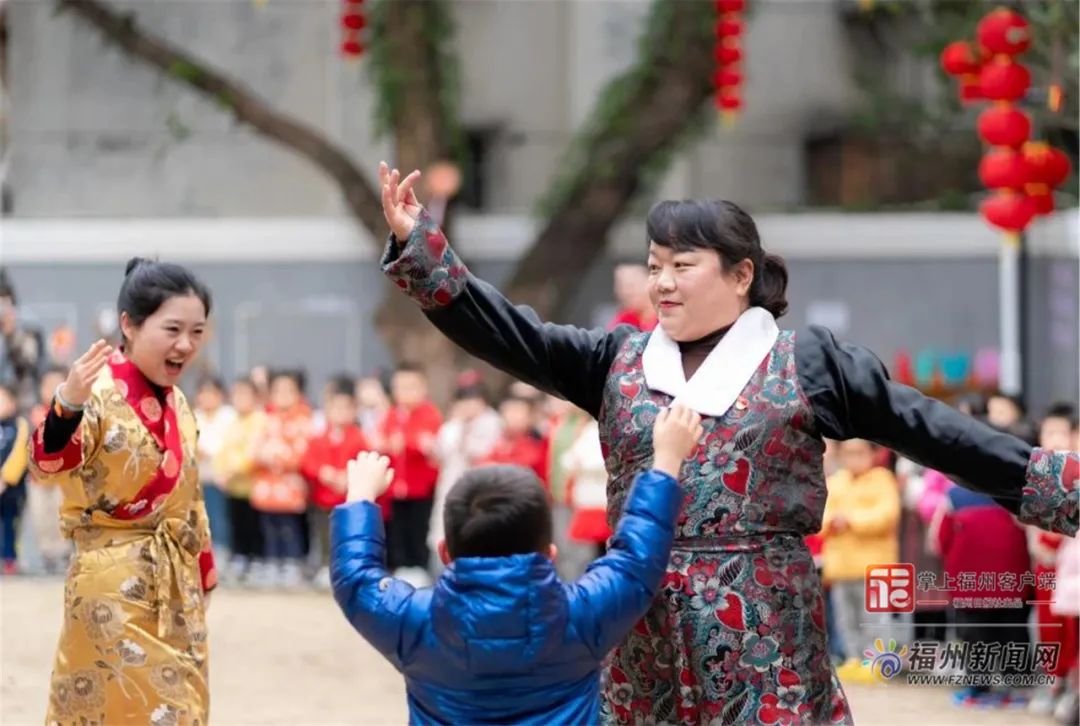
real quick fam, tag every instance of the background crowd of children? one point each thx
(272, 459)
(981, 577)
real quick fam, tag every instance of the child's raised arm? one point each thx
(375, 603)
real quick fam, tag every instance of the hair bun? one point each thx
(133, 263)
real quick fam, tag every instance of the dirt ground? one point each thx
(292, 659)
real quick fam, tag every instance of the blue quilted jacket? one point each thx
(502, 639)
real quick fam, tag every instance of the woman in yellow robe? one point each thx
(120, 441)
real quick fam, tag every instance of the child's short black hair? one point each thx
(1015, 400)
(341, 385)
(513, 398)
(210, 381)
(495, 511)
(1063, 410)
(56, 369)
(297, 375)
(410, 367)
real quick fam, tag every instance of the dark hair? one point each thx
(56, 369)
(513, 398)
(296, 375)
(149, 283)
(495, 511)
(245, 381)
(1064, 410)
(6, 288)
(341, 385)
(9, 389)
(1014, 400)
(466, 393)
(724, 227)
(209, 381)
(973, 404)
(409, 367)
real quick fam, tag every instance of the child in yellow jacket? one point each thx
(860, 528)
(234, 467)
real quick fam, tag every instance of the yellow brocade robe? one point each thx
(133, 649)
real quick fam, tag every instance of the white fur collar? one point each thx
(716, 385)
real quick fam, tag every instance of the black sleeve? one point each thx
(564, 360)
(852, 397)
(57, 431)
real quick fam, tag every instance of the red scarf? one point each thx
(162, 424)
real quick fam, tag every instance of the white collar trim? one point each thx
(716, 385)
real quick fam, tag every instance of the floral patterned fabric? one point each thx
(427, 270)
(1050, 496)
(133, 647)
(737, 633)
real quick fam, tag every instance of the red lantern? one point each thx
(727, 78)
(353, 21)
(970, 89)
(728, 27)
(959, 58)
(1046, 164)
(1008, 210)
(1042, 198)
(1004, 31)
(1003, 125)
(1003, 79)
(728, 51)
(728, 100)
(1003, 168)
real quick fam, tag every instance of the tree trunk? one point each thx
(247, 108)
(625, 142)
(671, 84)
(424, 133)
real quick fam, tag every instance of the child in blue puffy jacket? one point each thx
(499, 638)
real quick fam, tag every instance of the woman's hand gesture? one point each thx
(400, 206)
(84, 372)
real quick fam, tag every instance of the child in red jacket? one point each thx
(519, 443)
(324, 465)
(408, 436)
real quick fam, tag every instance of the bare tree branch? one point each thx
(122, 31)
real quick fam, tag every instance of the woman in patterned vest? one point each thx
(737, 633)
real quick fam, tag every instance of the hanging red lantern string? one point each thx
(353, 23)
(1022, 174)
(728, 78)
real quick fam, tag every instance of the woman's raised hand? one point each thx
(400, 206)
(84, 372)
